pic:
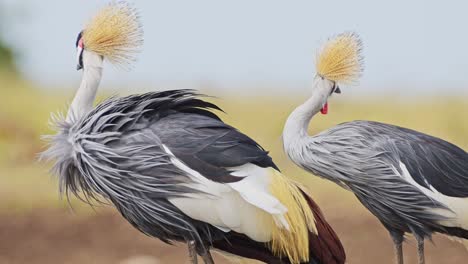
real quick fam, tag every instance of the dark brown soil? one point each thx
(56, 236)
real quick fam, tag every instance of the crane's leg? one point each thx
(397, 237)
(207, 258)
(192, 252)
(204, 252)
(420, 240)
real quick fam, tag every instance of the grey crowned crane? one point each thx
(412, 182)
(174, 170)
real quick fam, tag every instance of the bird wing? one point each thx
(432, 162)
(186, 126)
(436, 168)
(383, 165)
(209, 146)
(231, 171)
(240, 187)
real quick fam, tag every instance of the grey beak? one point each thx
(79, 67)
(337, 90)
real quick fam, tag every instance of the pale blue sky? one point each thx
(407, 44)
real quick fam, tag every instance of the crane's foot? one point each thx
(397, 238)
(420, 240)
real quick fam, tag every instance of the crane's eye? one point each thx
(337, 89)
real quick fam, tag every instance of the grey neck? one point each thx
(295, 129)
(85, 95)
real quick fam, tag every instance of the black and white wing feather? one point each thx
(417, 180)
(432, 162)
(209, 146)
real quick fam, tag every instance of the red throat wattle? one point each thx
(324, 109)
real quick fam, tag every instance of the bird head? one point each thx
(114, 33)
(339, 61)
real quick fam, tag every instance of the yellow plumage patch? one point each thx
(340, 59)
(292, 242)
(115, 33)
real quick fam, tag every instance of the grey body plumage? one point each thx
(366, 158)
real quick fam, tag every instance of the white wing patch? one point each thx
(245, 206)
(254, 189)
(458, 206)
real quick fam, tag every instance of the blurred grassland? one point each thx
(25, 183)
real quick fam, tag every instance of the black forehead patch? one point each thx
(78, 38)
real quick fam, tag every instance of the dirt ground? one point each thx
(61, 236)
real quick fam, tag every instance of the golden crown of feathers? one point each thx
(115, 33)
(340, 58)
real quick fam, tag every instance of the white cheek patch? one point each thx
(78, 54)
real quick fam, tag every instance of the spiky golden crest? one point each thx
(340, 59)
(293, 242)
(115, 33)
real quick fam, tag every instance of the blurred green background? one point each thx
(36, 226)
